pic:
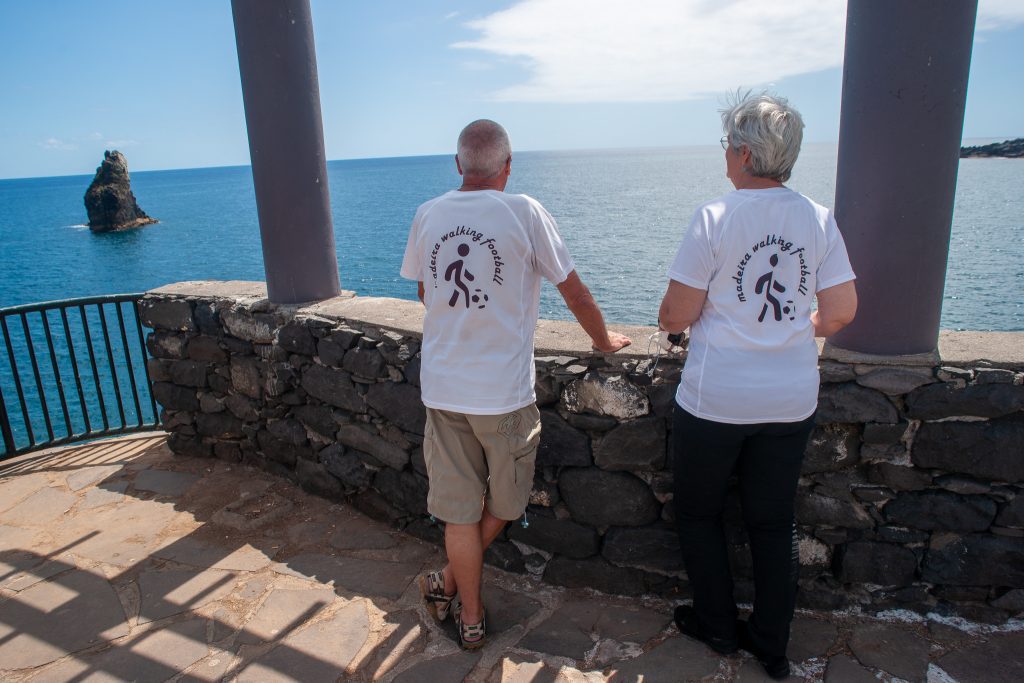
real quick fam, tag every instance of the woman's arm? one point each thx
(836, 308)
(681, 307)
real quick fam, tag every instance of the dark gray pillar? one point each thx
(277, 62)
(904, 88)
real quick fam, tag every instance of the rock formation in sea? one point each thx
(1013, 149)
(109, 200)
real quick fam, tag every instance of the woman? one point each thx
(743, 281)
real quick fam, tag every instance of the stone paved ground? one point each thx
(119, 561)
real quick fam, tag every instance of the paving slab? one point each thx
(810, 638)
(17, 538)
(576, 626)
(844, 669)
(676, 659)
(453, 667)
(41, 509)
(322, 651)
(152, 656)
(282, 611)
(892, 649)
(1000, 657)
(164, 482)
(202, 553)
(15, 488)
(529, 669)
(164, 593)
(30, 570)
(88, 476)
(352, 574)
(107, 493)
(362, 534)
(52, 618)
(404, 637)
(751, 671)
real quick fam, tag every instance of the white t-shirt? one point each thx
(761, 255)
(480, 256)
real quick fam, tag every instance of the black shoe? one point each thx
(689, 625)
(776, 666)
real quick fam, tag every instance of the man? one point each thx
(478, 255)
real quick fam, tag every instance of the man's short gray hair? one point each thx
(770, 128)
(483, 148)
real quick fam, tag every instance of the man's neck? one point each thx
(477, 183)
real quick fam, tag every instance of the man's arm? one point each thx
(836, 308)
(581, 303)
(680, 307)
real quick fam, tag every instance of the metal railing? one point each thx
(85, 380)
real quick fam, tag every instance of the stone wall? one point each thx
(911, 494)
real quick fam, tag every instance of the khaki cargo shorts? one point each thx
(476, 459)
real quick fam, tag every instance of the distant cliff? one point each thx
(109, 200)
(1013, 149)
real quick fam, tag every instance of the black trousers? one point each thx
(766, 459)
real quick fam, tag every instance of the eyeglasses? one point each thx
(725, 142)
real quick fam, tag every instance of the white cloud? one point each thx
(96, 136)
(111, 144)
(669, 50)
(451, 15)
(54, 143)
(994, 15)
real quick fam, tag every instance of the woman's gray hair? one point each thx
(483, 148)
(770, 128)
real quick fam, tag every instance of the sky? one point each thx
(159, 80)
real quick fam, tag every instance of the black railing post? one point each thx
(5, 427)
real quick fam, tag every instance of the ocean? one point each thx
(620, 211)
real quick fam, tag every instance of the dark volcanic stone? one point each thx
(318, 418)
(600, 498)
(1012, 513)
(163, 344)
(898, 478)
(850, 402)
(985, 450)
(206, 348)
(562, 536)
(504, 555)
(592, 423)
(937, 401)
(330, 351)
(189, 373)
(884, 433)
(296, 338)
(315, 478)
(405, 490)
(594, 572)
(247, 376)
(884, 564)
(183, 444)
(383, 450)
(207, 318)
(282, 451)
(109, 201)
(560, 444)
(663, 398)
(814, 509)
(831, 447)
(173, 397)
(975, 560)
(644, 548)
(220, 425)
(941, 511)
(637, 445)
(400, 404)
(345, 466)
(167, 314)
(412, 372)
(242, 408)
(895, 650)
(291, 431)
(334, 387)
(366, 363)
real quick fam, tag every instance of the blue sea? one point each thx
(620, 211)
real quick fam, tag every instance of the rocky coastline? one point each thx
(1008, 149)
